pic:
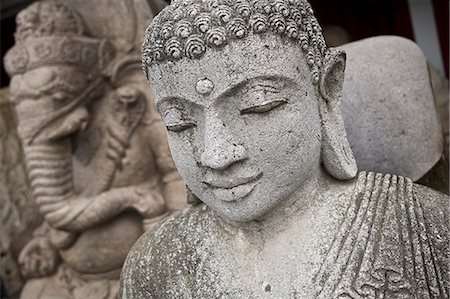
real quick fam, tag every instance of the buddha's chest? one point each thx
(269, 276)
(236, 268)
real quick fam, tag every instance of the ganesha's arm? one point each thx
(174, 189)
(80, 213)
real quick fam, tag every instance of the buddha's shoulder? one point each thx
(392, 225)
(410, 209)
(174, 245)
(183, 230)
(433, 202)
(432, 208)
(403, 193)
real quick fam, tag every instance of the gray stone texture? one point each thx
(388, 106)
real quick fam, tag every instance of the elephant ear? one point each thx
(337, 156)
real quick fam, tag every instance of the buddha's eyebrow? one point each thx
(270, 83)
(176, 98)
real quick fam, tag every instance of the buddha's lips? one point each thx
(232, 182)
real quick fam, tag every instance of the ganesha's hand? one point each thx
(149, 204)
(38, 258)
(78, 214)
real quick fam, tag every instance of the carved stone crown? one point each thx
(187, 28)
(50, 32)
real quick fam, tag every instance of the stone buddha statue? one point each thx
(250, 95)
(95, 150)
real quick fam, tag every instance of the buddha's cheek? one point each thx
(184, 148)
(287, 151)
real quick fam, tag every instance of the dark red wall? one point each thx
(365, 18)
(362, 19)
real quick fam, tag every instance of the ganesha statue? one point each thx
(95, 151)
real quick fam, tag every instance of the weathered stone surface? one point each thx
(211, 257)
(95, 149)
(250, 96)
(388, 107)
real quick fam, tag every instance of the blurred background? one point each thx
(424, 21)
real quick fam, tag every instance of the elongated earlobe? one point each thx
(337, 156)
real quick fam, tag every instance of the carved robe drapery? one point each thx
(387, 245)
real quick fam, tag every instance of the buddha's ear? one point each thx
(337, 156)
(332, 79)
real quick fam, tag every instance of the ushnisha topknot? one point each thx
(187, 28)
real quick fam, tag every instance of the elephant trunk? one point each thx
(49, 166)
(50, 173)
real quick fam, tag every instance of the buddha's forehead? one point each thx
(258, 56)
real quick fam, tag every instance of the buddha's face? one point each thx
(243, 124)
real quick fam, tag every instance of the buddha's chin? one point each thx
(240, 211)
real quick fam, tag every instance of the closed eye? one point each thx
(262, 108)
(180, 127)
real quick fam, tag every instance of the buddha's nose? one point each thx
(220, 147)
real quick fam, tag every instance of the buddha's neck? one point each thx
(307, 196)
